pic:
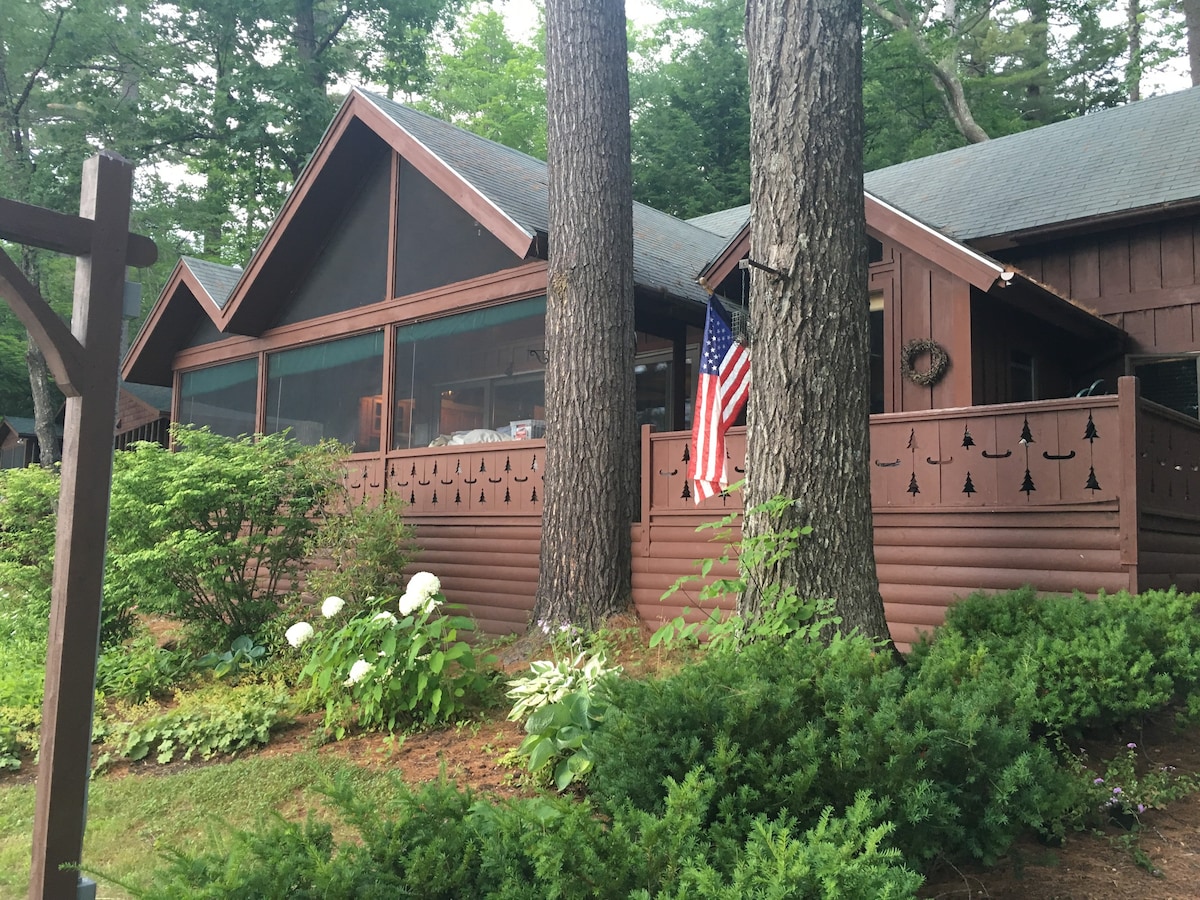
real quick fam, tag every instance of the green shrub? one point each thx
(243, 654)
(209, 534)
(28, 504)
(439, 843)
(1079, 663)
(368, 546)
(799, 727)
(201, 723)
(376, 671)
(139, 670)
(836, 858)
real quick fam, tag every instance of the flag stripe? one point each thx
(721, 392)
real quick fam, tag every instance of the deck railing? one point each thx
(1052, 453)
(1168, 461)
(1068, 453)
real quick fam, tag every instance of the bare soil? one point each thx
(1095, 866)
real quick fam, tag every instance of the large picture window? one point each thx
(329, 391)
(481, 371)
(224, 398)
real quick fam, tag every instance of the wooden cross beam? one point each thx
(84, 360)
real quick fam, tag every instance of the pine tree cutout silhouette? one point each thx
(912, 485)
(969, 487)
(1027, 485)
(687, 492)
(912, 439)
(1026, 434)
(457, 496)
(1092, 483)
(687, 453)
(968, 441)
(1090, 433)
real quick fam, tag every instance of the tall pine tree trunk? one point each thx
(807, 426)
(1133, 36)
(1191, 20)
(591, 468)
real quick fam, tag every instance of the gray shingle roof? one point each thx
(23, 426)
(155, 395)
(668, 253)
(725, 222)
(219, 280)
(1106, 163)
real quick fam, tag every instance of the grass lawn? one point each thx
(132, 818)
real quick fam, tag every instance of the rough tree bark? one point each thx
(1133, 35)
(807, 425)
(1191, 19)
(591, 470)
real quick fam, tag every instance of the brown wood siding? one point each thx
(664, 553)
(491, 569)
(1146, 279)
(923, 300)
(926, 562)
(1112, 508)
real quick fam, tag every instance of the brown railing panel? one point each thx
(670, 490)
(1053, 453)
(501, 479)
(363, 478)
(1168, 446)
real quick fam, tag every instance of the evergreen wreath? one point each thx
(938, 361)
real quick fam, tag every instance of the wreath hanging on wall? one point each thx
(939, 360)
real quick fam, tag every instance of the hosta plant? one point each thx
(549, 681)
(381, 670)
(564, 702)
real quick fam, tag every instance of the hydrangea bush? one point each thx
(375, 670)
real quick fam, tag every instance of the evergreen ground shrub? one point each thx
(439, 842)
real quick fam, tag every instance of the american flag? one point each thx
(721, 393)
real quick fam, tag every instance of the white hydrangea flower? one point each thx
(299, 633)
(332, 606)
(384, 615)
(424, 584)
(421, 594)
(411, 603)
(358, 672)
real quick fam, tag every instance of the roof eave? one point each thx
(1089, 224)
(181, 277)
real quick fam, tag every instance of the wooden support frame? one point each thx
(85, 358)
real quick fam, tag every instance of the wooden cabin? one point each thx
(143, 414)
(397, 303)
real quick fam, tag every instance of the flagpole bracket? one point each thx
(748, 263)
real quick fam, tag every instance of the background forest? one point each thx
(221, 102)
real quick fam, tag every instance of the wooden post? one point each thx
(1129, 395)
(80, 539)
